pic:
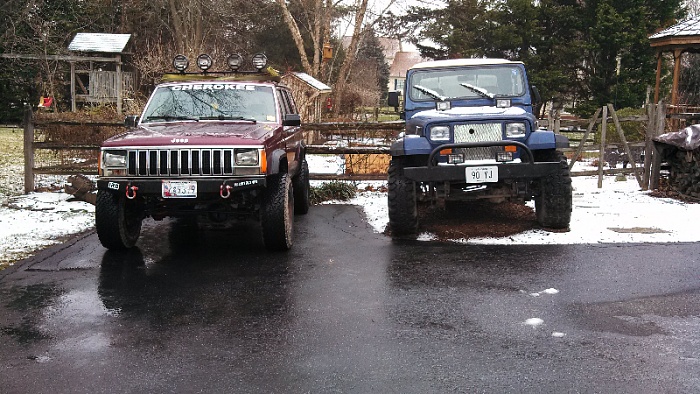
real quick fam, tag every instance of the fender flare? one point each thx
(546, 139)
(274, 160)
(411, 145)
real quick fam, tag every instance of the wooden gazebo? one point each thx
(677, 39)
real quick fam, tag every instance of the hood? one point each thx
(195, 133)
(469, 112)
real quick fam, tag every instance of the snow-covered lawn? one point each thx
(619, 212)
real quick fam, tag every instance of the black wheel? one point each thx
(277, 213)
(403, 209)
(302, 189)
(118, 221)
(553, 203)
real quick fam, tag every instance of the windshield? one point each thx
(211, 101)
(467, 83)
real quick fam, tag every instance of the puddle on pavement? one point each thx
(25, 333)
(31, 297)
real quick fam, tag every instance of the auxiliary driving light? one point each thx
(504, 156)
(180, 63)
(455, 159)
(234, 62)
(442, 105)
(503, 103)
(259, 61)
(204, 62)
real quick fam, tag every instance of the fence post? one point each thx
(28, 150)
(657, 122)
(601, 156)
(624, 143)
(584, 138)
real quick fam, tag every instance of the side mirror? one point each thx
(536, 99)
(131, 121)
(393, 100)
(291, 120)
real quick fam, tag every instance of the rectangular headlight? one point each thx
(247, 157)
(515, 130)
(440, 133)
(114, 159)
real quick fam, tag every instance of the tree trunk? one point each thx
(296, 35)
(350, 56)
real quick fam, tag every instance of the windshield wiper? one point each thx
(480, 91)
(228, 117)
(430, 92)
(172, 117)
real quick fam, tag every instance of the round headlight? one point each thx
(259, 61)
(234, 61)
(204, 62)
(180, 63)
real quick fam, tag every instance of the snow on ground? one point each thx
(31, 222)
(617, 213)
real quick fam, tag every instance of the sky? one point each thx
(619, 212)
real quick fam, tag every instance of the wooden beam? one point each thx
(676, 75)
(601, 157)
(625, 145)
(659, 57)
(60, 58)
(28, 150)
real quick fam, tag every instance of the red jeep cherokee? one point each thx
(223, 145)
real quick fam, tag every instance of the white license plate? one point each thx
(179, 189)
(482, 174)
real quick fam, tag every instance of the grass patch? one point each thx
(334, 190)
(11, 161)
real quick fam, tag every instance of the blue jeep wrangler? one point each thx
(471, 135)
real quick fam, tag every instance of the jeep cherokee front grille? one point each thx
(178, 162)
(479, 132)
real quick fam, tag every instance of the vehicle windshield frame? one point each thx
(506, 80)
(211, 101)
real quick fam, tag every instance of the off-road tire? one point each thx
(403, 208)
(302, 190)
(277, 213)
(553, 203)
(117, 221)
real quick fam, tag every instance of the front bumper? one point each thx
(526, 170)
(205, 186)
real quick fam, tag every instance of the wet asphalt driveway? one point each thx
(349, 311)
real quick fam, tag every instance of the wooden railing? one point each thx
(352, 139)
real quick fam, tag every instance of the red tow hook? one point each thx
(225, 191)
(131, 189)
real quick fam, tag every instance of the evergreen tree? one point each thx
(571, 47)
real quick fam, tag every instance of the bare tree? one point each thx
(693, 8)
(318, 21)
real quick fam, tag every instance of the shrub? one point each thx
(634, 131)
(334, 190)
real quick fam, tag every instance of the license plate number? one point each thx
(482, 174)
(179, 189)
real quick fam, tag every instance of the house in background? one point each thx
(397, 72)
(399, 56)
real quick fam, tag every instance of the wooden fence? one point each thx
(361, 141)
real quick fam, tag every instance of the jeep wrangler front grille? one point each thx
(177, 162)
(479, 132)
